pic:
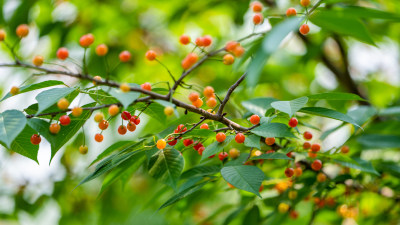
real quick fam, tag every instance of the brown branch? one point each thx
(228, 94)
(192, 128)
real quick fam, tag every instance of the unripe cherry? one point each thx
(305, 3)
(101, 50)
(151, 55)
(208, 92)
(254, 119)
(2, 35)
(184, 39)
(204, 126)
(14, 90)
(125, 56)
(239, 51)
(312, 154)
(103, 124)
(161, 144)
(113, 110)
(54, 128)
(283, 207)
(211, 102)
(293, 122)
(198, 103)
(239, 138)
(345, 149)
(291, 12)
(146, 86)
(22, 30)
(228, 59)
(168, 111)
(125, 87)
(222, 155)
(77, 111)
(96, 79)
(231, 46)
(270, 141)
(65, 120)
(189, 60)
(125, 115)
(298, 171)
(122, 129)
(220, 137)
(98, 137)
(307, 135)
(193, 96)
(258, 18)
(62, 53)
(207, 40)
(234, 153)
(131, 126)
(199, 41)
(256, 6)
(321, 177)
(86, 40)
(63, 104)
(99, 117)
(83, 149)
(35, 139)
(304, 29)
(38, 60)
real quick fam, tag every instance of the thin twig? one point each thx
(228, 94)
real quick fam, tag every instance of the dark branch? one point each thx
(228, 94)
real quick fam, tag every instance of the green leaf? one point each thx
(253, 141)
(200, 171)
(368, 13)
(391, 111)
(12, 123)
(102, 97)
(233, 215)
(329, 113)
(273, 130)
(66, 132)
(362, 113)
(248, 178)
(200, 133)
(50, 97)
(32, 87)
(339, 22)
(216, 147)
(258, 106)
(23, 146)
(126, 98)
(290, 107)
(379, 141)
(118, 146)
(270, 44)
(252, 216)
(154, 110)
(355, 163)
(167, 166)
(335, 96)
(274, 155)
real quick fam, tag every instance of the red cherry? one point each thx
(125, 115)
(172, 141)
(222, 155)
(220, 137)
(65, 120)
(307, 135)
(122, 130)
(306, 145)
(289, 154)
(204, 126)
(316, 165)
(197, 146)
(200, 151)
(35, 139)
(212, 156)
(135, 120)
(187, 142)
(315, 147)
(289, 172)
(239, 138)
(293, 122)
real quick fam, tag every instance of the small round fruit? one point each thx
(83, 149)
(125, 115)
(222, 155)
(198, 103)
(125, 87)
(315, 147)
(254, 119)
(345, 149)
(204, 126)
(207, 40)
(197, 146)
(234, 153)
(187, 142)
(172, 141)
(199, 41)
(228, 59)
(86, 40)
(293, 214)
(306, 145)
(258, 18)
(307, 135)
(305, 3)
(270, 141)
(76, 111)
(103, 124)
(283, 207)
(99, 117)
(291, 12)
(113, 110)
(22, 30)
(151, 55)
(14, 90)
(289, 172)
(62, 53)
(38, 60)
(35, 139)
(321, 177)
(292, 195)
(193, 96)
(211, 102)
(146, 86)
(168, 111)
(131, 126)
(96, 79)
(220, 137)
(256, 6)
(2, 35)
(54, 128)
(65, 120)
(189, 60)
(98, 137)
(239, 138)
(135, 119)
(304, 29)
(298, 171)
(293, 122)
(63, 104)
(101, 50)
(161, 144)
(201, 150)
(124, 56)
(316, 165)
(231, 46)
(208, 92)
(122, 129)
(312, 154)
(184, 39)
(239, 51)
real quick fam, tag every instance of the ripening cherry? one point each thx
(65, 120)
(291, 12)
(135, 119)
(54, 128)
(283, 207)
(125, 87)
(96, 79)
(234, 153)
(113, 110)
(289, 172)
(124, 56)
(312, 154)
(316, 165)
(180, 129)
(122, 129)
(315, 147)
(222, 155)
(2, 35)
(208, 92)
(35, 139)
(146, 86)
(198, 103)
(256, 6)
(239, 51)
(161, 144)
(76, 111)
(189, 60)
(289, 154)
(258, 18)
(307, 135)
(197, 146)
(193, 96)
(151, 55)
(292, 195)
(321, 177)
(172, 141)
(184, 39)
(211, 102)
(228, 59)
(239, 138)
(83, 149)
(63, 104)
(98, 117)
(62, 53)
(103, 124)
(131, 126)
(345, 149)
(298, 171)
(86, 40)
(98, 137)
(293, 214)
(168, 111)
(207, 40)
(14, 90)
(306, 145)
(22, 31)
(201, 150)
(305, 3)
(204, 126)
(304, 29)
(101, 50)
(38, 60)
(270, 141)
(199, 41)
(125, 115)
(231, 46)
(187, 142)
(254, 119)
(293, 122)
(220, 137)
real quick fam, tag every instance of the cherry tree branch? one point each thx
(229, 93)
